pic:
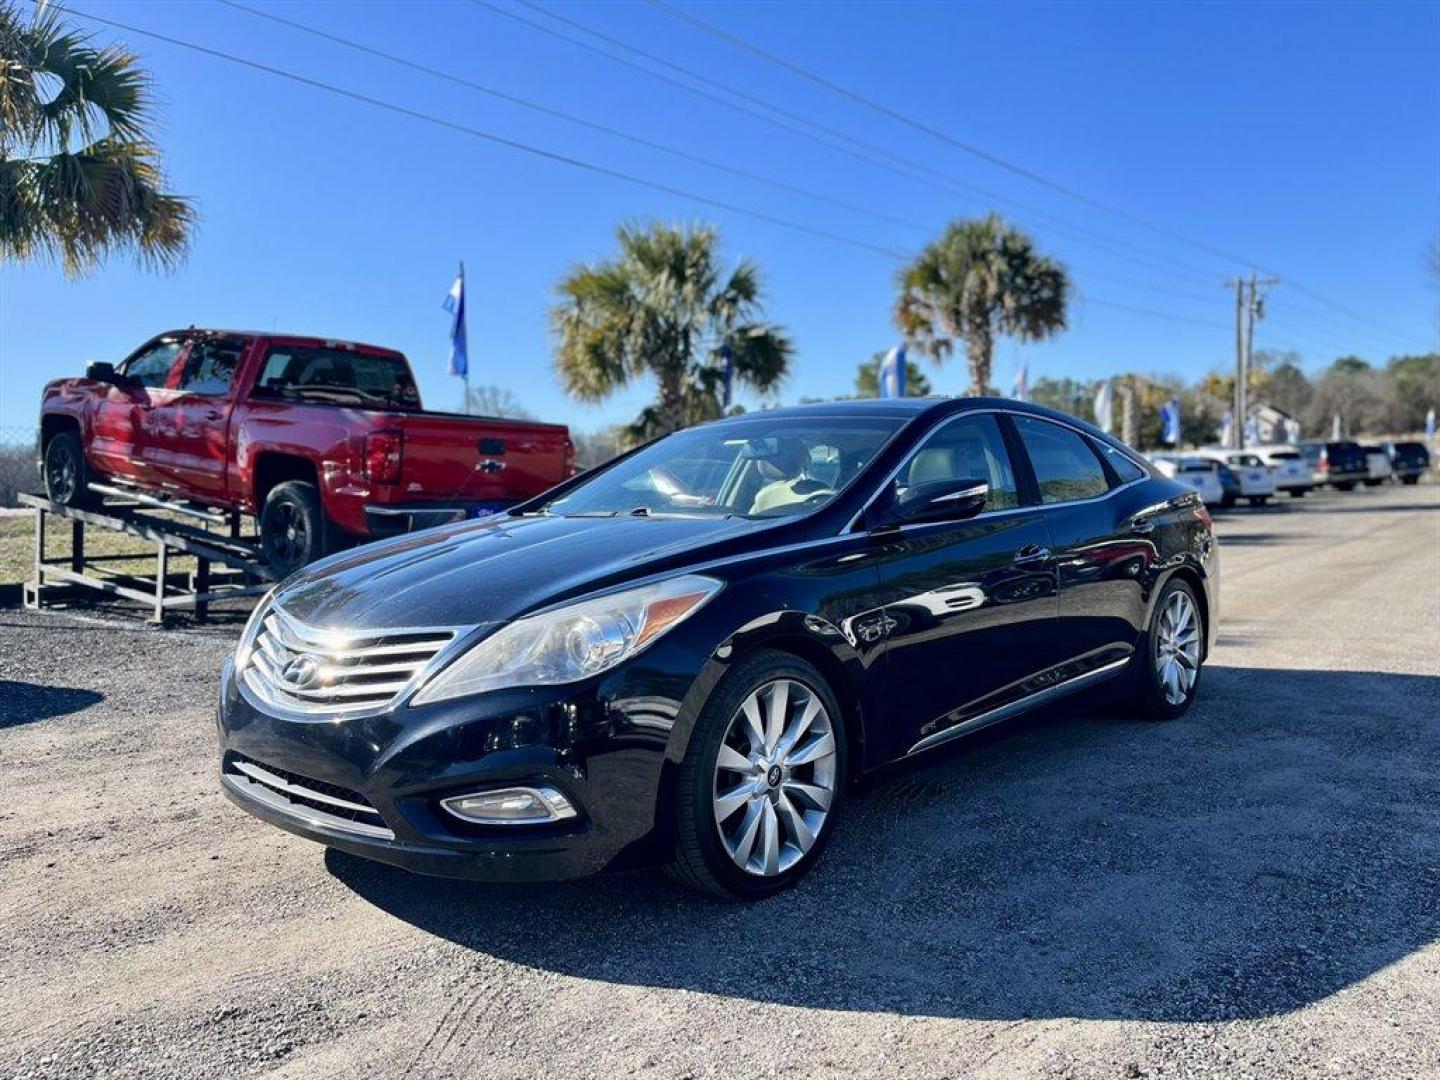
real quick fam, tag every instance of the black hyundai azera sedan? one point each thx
(687, 656)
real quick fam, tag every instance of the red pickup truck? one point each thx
(323, 440)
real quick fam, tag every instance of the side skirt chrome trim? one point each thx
(1015, 708)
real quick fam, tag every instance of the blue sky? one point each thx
(1303, 136)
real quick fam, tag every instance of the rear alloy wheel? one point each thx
(1170, 656)
(292, 527)
(762, 780)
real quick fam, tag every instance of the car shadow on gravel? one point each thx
(1274, 846)
(25, 702)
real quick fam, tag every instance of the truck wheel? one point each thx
(293, 530)
(1410, 479)
(67, 476)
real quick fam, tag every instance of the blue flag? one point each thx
(1170, 422)
(455, 304)
(892, 373)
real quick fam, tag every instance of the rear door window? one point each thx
(210, 368)
(1066, 467)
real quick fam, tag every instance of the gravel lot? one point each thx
(1253, 890)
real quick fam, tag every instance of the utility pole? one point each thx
(1248, 308)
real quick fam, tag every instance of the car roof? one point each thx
(277, 335)
(908, 408)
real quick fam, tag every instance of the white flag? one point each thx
(1105, 407)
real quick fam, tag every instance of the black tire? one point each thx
(1227, 502)
(1410, 479)
(701, 860)
(293, 529)
(1149, 700)
(1347, 485)
(1298, 493)
(66, 473)
(1259, 500)
(1373, 481)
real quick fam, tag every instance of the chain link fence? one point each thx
(18, 471)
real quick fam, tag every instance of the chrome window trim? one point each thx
(850, 526)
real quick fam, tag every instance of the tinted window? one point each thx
(1284, 455)
(210, 367)
(331, 376)
(970, 448)
(1124, 467)
(1065, 466)
(152, 367)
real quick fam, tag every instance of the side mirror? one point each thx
(937, 500)
(100, 371)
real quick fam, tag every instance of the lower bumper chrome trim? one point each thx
(255, 791)
(1025, 704)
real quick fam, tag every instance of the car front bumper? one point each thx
(372, 785)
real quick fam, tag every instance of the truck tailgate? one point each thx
(448, 456)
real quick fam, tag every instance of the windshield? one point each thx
(753, 468)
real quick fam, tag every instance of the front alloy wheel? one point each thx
(762, 779)
(774, 777)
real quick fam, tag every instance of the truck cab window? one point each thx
(329, 376)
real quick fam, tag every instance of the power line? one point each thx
(553, 156)
(998, 161)
(935, 133)
(830, 137)
(571, 118)
(488, 136)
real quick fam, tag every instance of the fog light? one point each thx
(511, 806)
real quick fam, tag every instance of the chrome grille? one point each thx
(310, 670)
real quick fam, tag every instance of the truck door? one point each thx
(122, 416)
(191, 441)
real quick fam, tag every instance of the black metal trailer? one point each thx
(229, 565)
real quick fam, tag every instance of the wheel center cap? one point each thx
(773, 776)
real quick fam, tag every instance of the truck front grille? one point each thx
(304, 669)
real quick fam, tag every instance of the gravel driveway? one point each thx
(1253, 890)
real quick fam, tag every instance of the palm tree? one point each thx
(665, 307)
(982, 278)
(79, 177)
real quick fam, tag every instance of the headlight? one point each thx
(571, 642)
(251, 631)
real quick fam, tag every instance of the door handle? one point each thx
(1142, 527)
(213, 414)
(1031, 554)
(490, 466)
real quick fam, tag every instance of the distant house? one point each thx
(1272, 426)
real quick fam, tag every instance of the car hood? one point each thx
(496, 569)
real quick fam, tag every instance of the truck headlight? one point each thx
(571, 642)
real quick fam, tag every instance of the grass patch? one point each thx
(17, 549)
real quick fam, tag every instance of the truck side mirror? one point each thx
(100, 371)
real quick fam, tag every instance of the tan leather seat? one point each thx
(931, 464)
